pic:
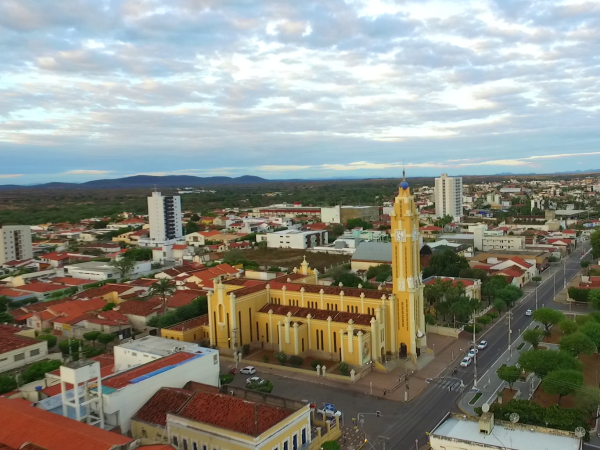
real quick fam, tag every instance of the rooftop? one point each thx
(189, 324)
(166, 400)
(10, 341)
(21, 423)
(233, 413)
(373, 251)
(140, 373)
(161, 346)
(318, 314)
(517, 436)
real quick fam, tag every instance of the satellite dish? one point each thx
(580, 432)
(485, 407)
(514, 417)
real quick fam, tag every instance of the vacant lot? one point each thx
(293, 258)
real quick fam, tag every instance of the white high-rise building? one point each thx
(15, 243)
(448, 196)
(164, 215)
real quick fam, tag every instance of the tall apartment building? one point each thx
(164, 214)
(15, 243)
(448, 196)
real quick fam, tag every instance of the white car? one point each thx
(482, 345)
(328, 414)
(466, 362)
(472, 352)
(258, 380)
(529, 312)
(249, 370)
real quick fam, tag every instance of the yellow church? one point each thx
(298, 316)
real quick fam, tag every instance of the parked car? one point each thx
(482, 345)
(329, 415)
(472, 352)
(248, 370)
(466, 362)
(529, 312)
(258, 380)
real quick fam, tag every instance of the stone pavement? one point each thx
(351, 439)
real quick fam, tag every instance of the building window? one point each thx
(34, 352)
(20, 357)
(185, 444)
(175, 441)
(285, 445)
(318, 340)
(334, 342)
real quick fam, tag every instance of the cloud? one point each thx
(87, 172)
(295, 86)
(10, 175)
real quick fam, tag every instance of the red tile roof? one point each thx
(143, 282)
(104, 290)
(318, 314)
(70, 281)
(520, 261)
(165, 401)
(184, 297)
(10, 341)
(233, 413)
(190, 323)
(123, 379)
(179, 247)
(13, 293)
(55, 256)
(464, 281)
(138, 308)
(41, 287)
(22, 422)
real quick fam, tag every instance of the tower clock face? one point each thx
(400, 236)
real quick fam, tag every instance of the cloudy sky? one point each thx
(297, 88)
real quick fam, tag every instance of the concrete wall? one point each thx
(23, 356)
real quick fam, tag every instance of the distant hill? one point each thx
(144, 181)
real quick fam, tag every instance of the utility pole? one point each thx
(536, 296)
(475, 353)
(509, 315)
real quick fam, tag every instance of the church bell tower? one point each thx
(406, 270)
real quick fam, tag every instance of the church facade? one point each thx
(296, 315)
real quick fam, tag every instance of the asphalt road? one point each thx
(405, 424)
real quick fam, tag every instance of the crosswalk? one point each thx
(449, 384)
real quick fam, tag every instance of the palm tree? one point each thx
(163, 288)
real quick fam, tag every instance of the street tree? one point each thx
(533, 337)
(568, 326)
(7, 383)
(484, 320)
(163, 288)
(6, 318)
(51, 339)
(92, 336)
(547, 317)
(585, 264)
(123, 265)
(594, 298)
(562, 382)
(446, 263)
(595, 242)
(587, 400)
(543, 362)
(105, 338)
(577, 344)
(592, 330)
(500, 305)
(510, 374)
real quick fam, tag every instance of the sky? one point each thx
(286, 89)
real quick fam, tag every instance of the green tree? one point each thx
(500, 305)
(381, 272)
(105, 338)
(351, 280)
(358, 223)
(585, 264)
(446, 263)
(592, 330)
(547, 317)
(562, 382)
(163, 288)
(510, 374)
(125, 266)
(191, 227)
(6, 318)
(594, 298)
(568, 326)
(195, 217)
(37, 370)
(70, 346)
(484, 320)
(595, 242)
(5, 303)
(7, 384)
(493, 285)
(492, 315)
(138, 254)
(336, 230)
(510, 294)
(330, 445)
(587, 400)
(92, 336)
(576, 344)
(534, 337)
(109, 306)
(542, 363)
(48, 338)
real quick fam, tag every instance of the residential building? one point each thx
(15, 243)
(18, 348)
(296, 239)
(99, 271)
(461, 432)
(25, 426)
(164, 214)
(472, 286)
(448, 196)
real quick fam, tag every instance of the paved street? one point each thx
(406, 423)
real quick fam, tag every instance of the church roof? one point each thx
(374, 251)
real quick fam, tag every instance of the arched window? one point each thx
(221, 313)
